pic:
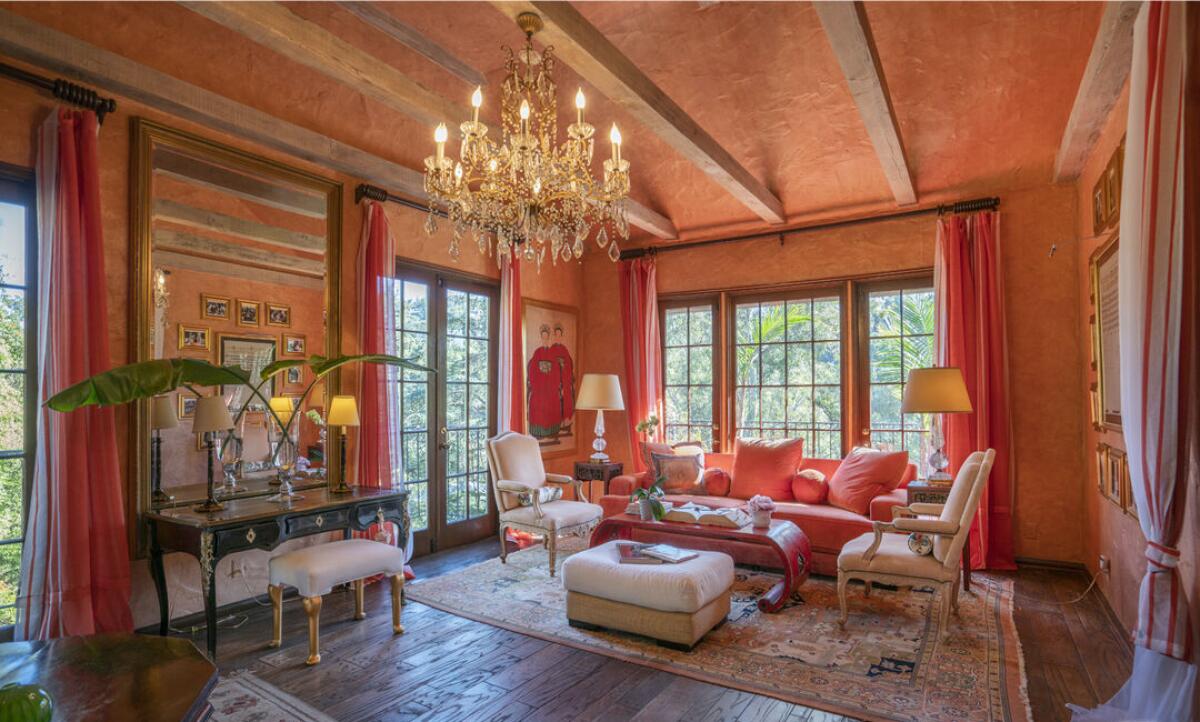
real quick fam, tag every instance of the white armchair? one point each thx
(519, 481)
(884, 557)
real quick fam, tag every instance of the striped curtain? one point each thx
(643, 347)
(1159, 382)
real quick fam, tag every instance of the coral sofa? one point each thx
(828, 527)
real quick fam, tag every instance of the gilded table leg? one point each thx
(359, 611)
(312, 607)
(276, 593)
(397, 588)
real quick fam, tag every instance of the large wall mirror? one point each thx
(236, 261)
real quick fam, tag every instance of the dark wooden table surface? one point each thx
(115, 677)
(258, 523)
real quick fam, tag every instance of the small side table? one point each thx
(923, 492)
(604, 471)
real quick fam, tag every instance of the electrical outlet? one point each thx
(1104, 564)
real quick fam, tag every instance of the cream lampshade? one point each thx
(162, 413)
(283, 408)
(212, 415)
(936, 391)
(600, 393)
(343, 412)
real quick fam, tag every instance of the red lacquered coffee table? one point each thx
(784, 538)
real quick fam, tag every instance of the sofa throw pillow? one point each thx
(545, 494)
(766, 467)
(809, 487)
(863, 475)
(656, 447)
(716, 482)
(680, 473)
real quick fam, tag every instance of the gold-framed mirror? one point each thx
(236, 259)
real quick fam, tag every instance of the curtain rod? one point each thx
(64, 90)
(376, 193)
(977, 204)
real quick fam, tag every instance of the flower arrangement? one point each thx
(758, 502)
(650, 500)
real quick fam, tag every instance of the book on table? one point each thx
(696, 514)
(631, 553)
(638, 553)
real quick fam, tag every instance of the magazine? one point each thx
(631, 553)
(697, 514)
(668, 553)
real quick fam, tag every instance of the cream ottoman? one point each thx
(675, 604)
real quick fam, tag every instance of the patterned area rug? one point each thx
(886, 665)
(242, 697)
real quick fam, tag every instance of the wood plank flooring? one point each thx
(456, 669)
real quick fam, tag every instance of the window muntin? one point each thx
(787, 371)
(899, 338)
(689, 372)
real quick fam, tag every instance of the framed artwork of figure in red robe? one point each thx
(551, 334)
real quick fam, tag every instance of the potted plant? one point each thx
(648, 426)
(650, 506)
(760, 508)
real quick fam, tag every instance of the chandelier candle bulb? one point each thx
(524, 117)
(439, 135)
(580, 102)
(476, 102)
(615, 136)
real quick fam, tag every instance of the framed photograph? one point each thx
(252, 353)
(248, 313)
(1114, 475)
(1112, 190)
(1094, 399)
(186, 405)
(1102, 467)
(294, 376)
(215, 306)
(1099, 207)
(1107, 341)
(551, 334)
(293, 345)
(1128, 503)
(194, 338)
(279, 315)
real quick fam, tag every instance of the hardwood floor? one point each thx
(456, 669)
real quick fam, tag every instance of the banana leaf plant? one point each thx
(147, 379)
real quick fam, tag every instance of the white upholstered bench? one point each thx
(675, 604)
(315, 570)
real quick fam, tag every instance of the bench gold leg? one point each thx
(276, 593)
(397, 588)
(312, 607)
(359, 610)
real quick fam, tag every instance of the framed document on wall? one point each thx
(1107, 330)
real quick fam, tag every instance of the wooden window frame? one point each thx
(713, 301)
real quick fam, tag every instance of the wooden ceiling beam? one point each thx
(278, 28)
(1103, 79)
(203, 219)
(47, 48)
(218, 267)
(221, 179)
(214, 249)
(849, 34)
(579, 44)
(374, 15)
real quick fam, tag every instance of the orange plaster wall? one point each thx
(1044, 347)
(1110, 531)
(23, 112)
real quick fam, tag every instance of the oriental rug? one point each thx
(888, 664)
(242, 697)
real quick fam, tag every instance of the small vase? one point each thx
(762, 519)
(645, 510)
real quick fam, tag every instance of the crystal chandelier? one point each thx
(528, 194)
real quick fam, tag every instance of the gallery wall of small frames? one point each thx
(1112, 470)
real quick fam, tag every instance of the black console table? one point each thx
(255, 523)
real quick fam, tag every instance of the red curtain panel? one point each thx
(643, 347)
(511, 393)
(75, 562)
(970, 335)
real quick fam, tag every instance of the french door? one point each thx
(446, 322)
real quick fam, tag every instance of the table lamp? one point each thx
(600, 393)
(936, 391)
(162, 417)
(343, 412)
(212, 416)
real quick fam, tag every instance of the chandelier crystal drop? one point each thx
(528, 194)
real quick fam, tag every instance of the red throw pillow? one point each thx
(716, 482)
(765, 466)
(863, 475)
(809, 487)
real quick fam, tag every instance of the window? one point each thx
(788, 371)
(689, 371)
(899, 338)
(412, 301)
(18, 274)
(825, 362)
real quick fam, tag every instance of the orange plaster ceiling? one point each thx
(981, 91)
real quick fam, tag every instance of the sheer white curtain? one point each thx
(1158, 323)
